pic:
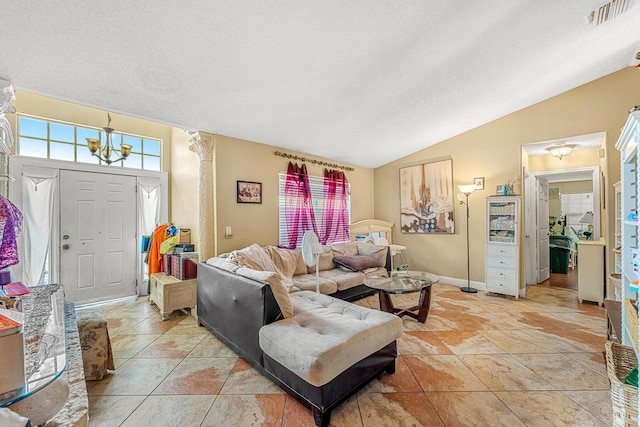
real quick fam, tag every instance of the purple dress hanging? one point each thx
(10, 227)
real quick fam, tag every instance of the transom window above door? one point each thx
(50, 139)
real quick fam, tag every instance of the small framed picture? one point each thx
(249, 192)
(501, 190)
(479, 182)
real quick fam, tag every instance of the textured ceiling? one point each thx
(359, 81)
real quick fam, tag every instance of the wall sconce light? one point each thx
(561, 151)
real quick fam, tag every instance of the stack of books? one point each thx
(9, 326)
(184, 265)
(13, 289)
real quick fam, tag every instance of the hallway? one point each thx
(565, 281)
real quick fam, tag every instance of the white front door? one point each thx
(97, 236)
(543, 229)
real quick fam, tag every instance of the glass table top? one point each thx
(44, 340)
(402, 282)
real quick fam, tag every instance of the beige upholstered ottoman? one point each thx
(96, 345)
(326, 336)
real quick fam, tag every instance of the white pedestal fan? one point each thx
(311, 250)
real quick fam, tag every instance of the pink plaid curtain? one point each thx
(298, 207)
(335, 220)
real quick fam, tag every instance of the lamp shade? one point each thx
(93, 144)
(587, 218)
(467, 189)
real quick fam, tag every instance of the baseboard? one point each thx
(462, 283)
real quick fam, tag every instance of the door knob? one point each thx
(65, 246)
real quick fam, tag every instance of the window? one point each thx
(49, 139)
(319, 202)
(574, 206)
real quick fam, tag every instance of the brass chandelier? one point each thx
(105, 153)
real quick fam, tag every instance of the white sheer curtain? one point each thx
(149, 207)
(149, 196)
(39, 187)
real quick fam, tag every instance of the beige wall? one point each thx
(49, 108)
(235, 159)
(249, 161)
(555, 204)
(494, 151)
(573, 187)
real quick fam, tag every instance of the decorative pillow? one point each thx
(344, 248)
(325, 261)
(376, 251)
(280, 291)
(301, 267)
(356, 262)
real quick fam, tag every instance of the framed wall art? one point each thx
(249, 192)
(479, 183)
(426, 198)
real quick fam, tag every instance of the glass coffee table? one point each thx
(405, 282)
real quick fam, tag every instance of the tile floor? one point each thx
(480, 360)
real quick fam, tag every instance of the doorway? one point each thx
(560, 222)
(551, 231)
(99, 213)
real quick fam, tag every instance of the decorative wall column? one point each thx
(203, 144)
(7, 97)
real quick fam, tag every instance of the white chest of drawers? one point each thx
(501, 262)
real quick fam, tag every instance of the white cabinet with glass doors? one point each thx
(502, 253)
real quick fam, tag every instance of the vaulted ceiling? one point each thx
(359, 81)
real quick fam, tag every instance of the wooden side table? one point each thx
(403, 283)
(170, 293)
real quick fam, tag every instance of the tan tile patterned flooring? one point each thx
(480, 360)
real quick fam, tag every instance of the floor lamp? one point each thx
(466, 190)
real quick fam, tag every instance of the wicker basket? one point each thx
(632, 319)
(624, 397)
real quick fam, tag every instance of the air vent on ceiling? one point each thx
(608, 11)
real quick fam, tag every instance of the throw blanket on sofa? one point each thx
(257, 258)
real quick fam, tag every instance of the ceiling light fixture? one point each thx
(105, 153)
(561, 151)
